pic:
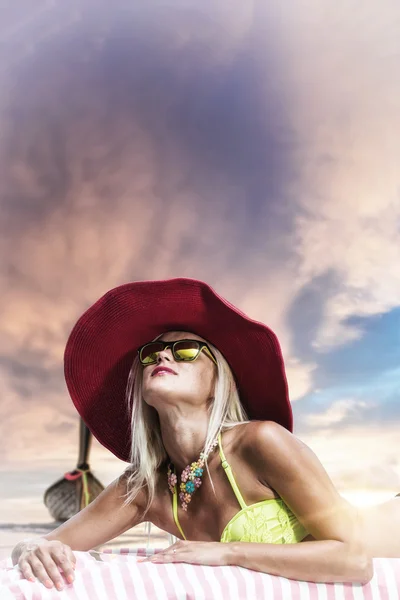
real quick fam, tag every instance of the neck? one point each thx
(183, 436)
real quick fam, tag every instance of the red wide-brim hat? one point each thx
(104, 342)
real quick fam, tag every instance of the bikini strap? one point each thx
(230, 476)
(175, 511)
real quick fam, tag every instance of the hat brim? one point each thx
(102, 345)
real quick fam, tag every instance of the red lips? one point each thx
(160, 368)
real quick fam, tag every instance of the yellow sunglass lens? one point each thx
(150, 358)
(185, 350)
(187, 353)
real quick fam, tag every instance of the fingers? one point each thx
(163, 556)
(26, 570)
(66, 562)
(174, 553)
(48, 563)
(46, 571)
(71, 556)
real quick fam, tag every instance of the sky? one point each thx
(251, 145)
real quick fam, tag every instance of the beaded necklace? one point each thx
(190, 478)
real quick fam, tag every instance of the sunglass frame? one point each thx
(171, 344)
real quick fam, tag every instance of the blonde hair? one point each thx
(147, 449)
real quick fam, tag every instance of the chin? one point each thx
(160, 382)
(158, 391)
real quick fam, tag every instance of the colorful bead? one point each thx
(190, 487)
(172, 480)
(190, 478)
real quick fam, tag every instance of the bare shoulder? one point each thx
(261, 439)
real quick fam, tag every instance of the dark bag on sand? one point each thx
(77, 488)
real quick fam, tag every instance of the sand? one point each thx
(23, 513)
(11, 534)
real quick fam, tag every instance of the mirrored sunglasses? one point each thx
(182, 350)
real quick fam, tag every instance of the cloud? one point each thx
(346, 94)
(373, 400)
(254, 148)
(337, 413)
(133, 147)
(300, 377)
(114, 161)
(359, 457)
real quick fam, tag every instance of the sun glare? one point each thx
(368, 497)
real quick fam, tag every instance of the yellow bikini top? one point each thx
(269, 521)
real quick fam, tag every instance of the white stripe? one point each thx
(191, 575)
(322, 591)
(119, 584)
(286, 588)
(137, 580)
(45, 593)
(249, 582)
(304, 590)
(390, 579)
(175, 581)
(159, 587)
(96, 575)
(376, 595)
(230, 582)
(267, 586)
(79, 586)
(213, 581)
(26, 587)
(339, 591)
(358, 593)
(5, 593)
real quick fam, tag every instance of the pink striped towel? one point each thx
(117, 574)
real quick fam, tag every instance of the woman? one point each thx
(206, 428)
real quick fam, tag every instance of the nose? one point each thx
(164, 354)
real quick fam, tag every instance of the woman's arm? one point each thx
(288, 466)
(105, 518)
(102, 520)
(323, 561)
(338, 553)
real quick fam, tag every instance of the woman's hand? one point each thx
(44, 559)
(196, 553)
